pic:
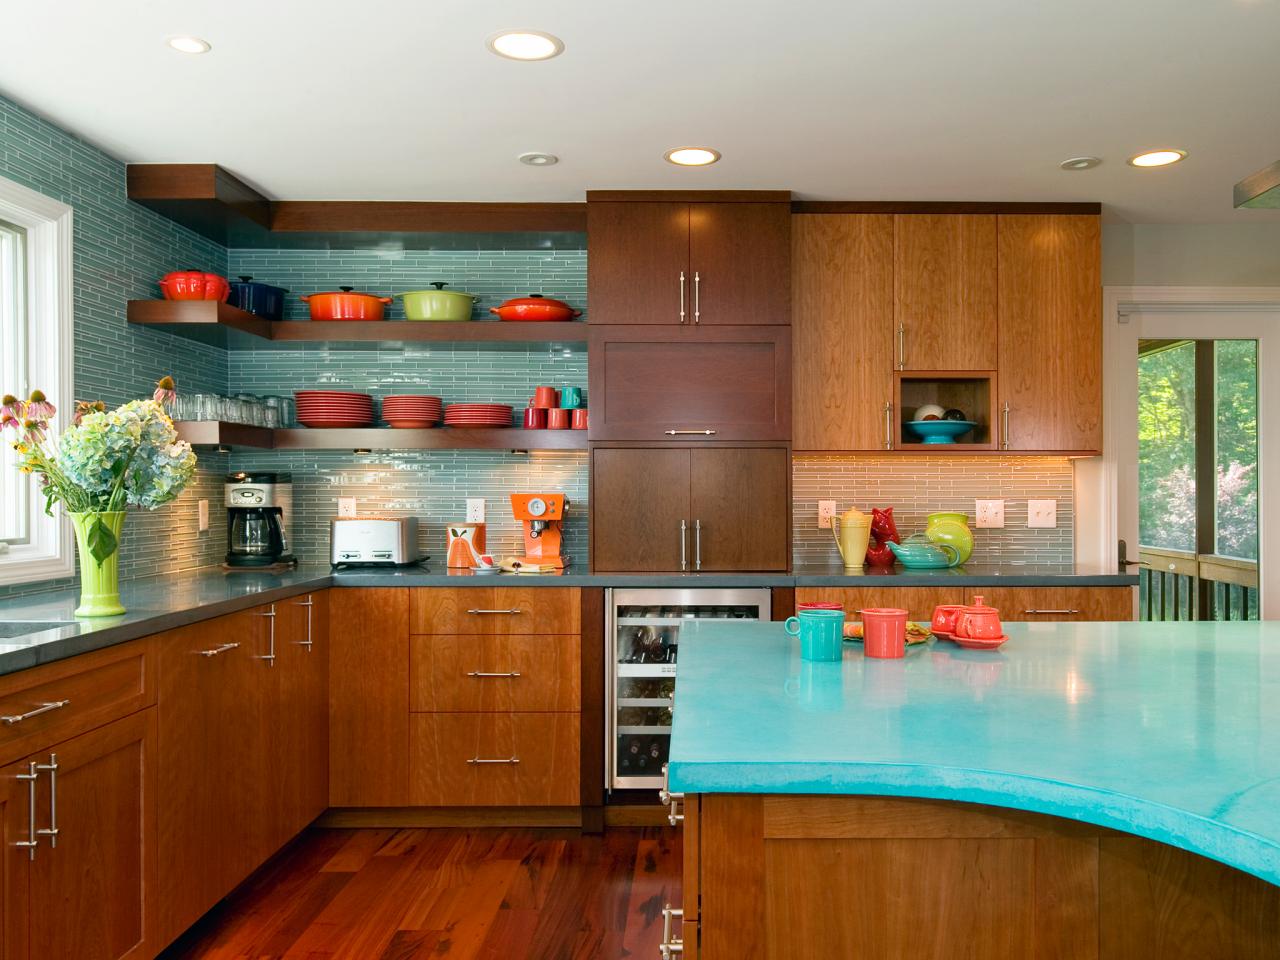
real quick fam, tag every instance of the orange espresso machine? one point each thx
(542, 515)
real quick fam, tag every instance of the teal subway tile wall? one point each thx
(120, 250)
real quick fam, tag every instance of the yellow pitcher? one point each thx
(852, 530)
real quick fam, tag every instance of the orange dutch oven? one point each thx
(193, 285)
(342, 304)
(535, 307)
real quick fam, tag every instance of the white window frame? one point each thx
(49, 552)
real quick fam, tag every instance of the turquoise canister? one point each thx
(952, 529)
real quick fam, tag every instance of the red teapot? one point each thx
(979, 622)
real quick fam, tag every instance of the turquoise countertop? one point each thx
(1166, 731)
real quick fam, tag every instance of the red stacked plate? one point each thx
(333, 408)
(477, 415)
(411, 412)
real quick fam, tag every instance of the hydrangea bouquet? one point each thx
(107, 460)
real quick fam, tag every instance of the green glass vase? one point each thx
(98, 543)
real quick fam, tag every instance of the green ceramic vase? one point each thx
(98, 543)
(953, 529)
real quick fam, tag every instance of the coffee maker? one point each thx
(542, 515)
(258, 508)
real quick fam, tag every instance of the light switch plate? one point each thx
(1042, 513)
(202, 516)
(826, 510)
(346, 506)
(475, 509)
(988, 513)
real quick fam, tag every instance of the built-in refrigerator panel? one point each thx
(644, 640)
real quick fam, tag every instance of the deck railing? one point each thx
(1181, 585)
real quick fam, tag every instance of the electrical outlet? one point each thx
(826, 510)
(988, 513)
(1042, 513)
(202, 516)
(346, 506)
(475, 509)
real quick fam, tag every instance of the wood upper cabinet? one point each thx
(842, 324)
(680, 509)
(673, 262)
(1050, 307)
(944, 291)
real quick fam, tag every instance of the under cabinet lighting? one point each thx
(1157, 158)
(692, 156)
(190, 44)
(525, 45)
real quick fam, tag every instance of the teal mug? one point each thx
(821, 634)
(571, 398)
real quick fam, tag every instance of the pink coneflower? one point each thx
(166, 391)
(86, 406)
(38, 407)
(8, 420)
(11, 406)
(34, 430)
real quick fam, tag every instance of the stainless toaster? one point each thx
(376, 541)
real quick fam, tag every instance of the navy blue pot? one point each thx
(260, 299)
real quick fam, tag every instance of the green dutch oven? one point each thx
(438, 304)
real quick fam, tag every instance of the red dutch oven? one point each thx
(193, 285)
(342, 304)
(535, 307)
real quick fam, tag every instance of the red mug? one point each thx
(546, 397)
(579, 419)
(884, 632)
(558, 418)
(535, 418)
(944, 618)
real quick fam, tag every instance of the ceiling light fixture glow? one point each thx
(1157, 158)
(692, 156)
(1080, 163)
(525, 45)
(190, 45)
(535, 159)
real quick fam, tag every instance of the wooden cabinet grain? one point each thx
(917, 601)
(739, 255)
(637, 254)
(479, 611)
(300, 712)
(639, 499)
(1059, 603)
(842, 323)
(536, 673)
(738, 502)
(1050, 321)
(15, 890)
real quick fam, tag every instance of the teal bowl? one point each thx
(940, 431)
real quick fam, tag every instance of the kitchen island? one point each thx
(1090, 790)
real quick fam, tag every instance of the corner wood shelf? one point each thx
(211, 433)
(222, 325)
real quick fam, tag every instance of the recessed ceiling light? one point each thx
(525, 45)
(189, 44)
(1080, 163)
(538, 159)
(692, 156)
(1157, 158)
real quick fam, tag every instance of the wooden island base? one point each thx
(828, 877)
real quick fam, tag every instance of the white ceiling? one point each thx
(897, 99)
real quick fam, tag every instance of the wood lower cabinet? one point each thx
(15, 863)
(495, 674)
(481, 611)
(917, 601)
(301, 720)
(709, 509)
(1060, 603)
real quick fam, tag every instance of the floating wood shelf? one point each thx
(222, 325)
(237, 435)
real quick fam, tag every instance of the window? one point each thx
(35, 351)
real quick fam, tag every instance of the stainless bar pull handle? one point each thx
(671, 946)
(32, 840)
(1004, 431)
(494, 760)
(902, 346)
(512, 611)
(697, 297)
(684, 541)
(481, 674)
(270, 655)
(222, 648)
(47, 707)
(682, 296)
(670, 800)
(690, 433)
(697, 544)
(52, 830)
(1043, 613)
(308, 603)
(888, 425)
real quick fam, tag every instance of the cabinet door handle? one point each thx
(221, 648)
(902, 346)
(670, 800)
(270, 655)
(671, 946)
(684, 549)
(32, 840)
(478, 760)
(697, 297)
(1004, 431)
(682, 296)
(1045, 613)
(308, 603)
(511, 611)
(52, 830)
(697, 544)
(888, 425)
(47, 707)
(690, 433)
(480, 674)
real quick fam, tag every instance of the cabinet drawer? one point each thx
(917, 601)
(92, 690)
(494, 759)
(497, 674)
(494, 610)
(1047, 604)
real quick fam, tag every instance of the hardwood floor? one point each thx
(486, 894)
